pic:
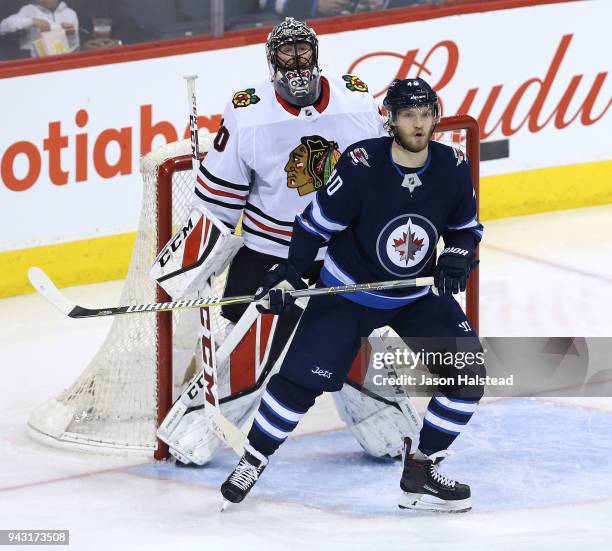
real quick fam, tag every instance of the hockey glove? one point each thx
(452, 270)
(279, 302)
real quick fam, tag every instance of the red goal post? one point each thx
(469, 126)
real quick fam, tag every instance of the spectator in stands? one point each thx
(40, 16)
(305, 9)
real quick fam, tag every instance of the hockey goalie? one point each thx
(278, 143)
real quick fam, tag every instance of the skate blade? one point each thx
(417, 503)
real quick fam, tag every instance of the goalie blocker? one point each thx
(202, 248)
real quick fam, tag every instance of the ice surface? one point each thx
(509, 455)
(539, 469)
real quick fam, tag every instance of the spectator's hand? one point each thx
(41, 24)
(334, 7)
(69, 28)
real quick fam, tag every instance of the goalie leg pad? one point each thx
(378, 423)
(185, 428)
(193, 441)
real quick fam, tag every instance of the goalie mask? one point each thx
(292, 50)
(410, 94)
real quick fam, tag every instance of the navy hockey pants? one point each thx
(330, 331)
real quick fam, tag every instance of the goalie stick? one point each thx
(222, 427)
(193, 123)
(45, 287)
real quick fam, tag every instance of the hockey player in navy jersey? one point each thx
(381, 213)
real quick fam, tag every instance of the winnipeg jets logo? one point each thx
(359, 155)
(406, 244)
(411, 181)
(321, 372)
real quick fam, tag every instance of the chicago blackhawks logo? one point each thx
(406, 244)
(245, 98)
(355, 84)
(311, 163)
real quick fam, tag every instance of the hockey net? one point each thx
(123, 394)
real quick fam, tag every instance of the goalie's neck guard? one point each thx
(295, 75)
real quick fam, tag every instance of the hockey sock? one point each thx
(282, 405)
(443, 422)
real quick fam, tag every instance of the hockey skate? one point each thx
(243, 477)
(425, 489)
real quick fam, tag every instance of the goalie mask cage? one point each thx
(118, 401)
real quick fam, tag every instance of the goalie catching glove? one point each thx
(271, 294)
(453, 269)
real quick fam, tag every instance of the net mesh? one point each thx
(113, 402)
(111, 407)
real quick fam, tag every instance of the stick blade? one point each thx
(47, 289)
(227, 431)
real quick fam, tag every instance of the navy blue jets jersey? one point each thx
(383, 221)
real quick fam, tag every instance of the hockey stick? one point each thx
(193, 123)
(41, 282)
(223, 428)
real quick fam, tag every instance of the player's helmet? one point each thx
(411, 92)
(299, 84)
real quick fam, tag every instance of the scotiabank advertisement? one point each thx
(536, 78)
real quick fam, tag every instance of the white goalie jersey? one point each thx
(269, 157)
